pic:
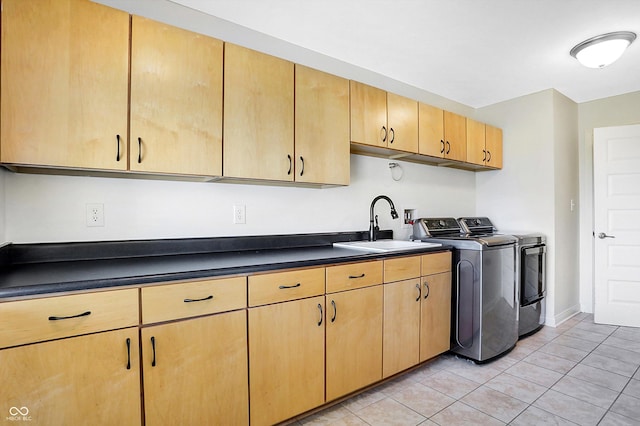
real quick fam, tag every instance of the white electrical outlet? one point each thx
(95, 214)
(239, 214)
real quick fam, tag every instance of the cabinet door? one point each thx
(195, 371)
(455, 136)
(354, 340)
(494, 147)
(476, 151)
(79, 380)
(368, 115)
(286, 359)
(176, 100)
(258, 115)
(431, 131)
(64, 72)
(435, 318)
(402, 116)
(321, 127)
(401, 335)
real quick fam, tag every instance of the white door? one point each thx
(616, 175)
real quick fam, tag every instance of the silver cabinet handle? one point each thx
(602, 236)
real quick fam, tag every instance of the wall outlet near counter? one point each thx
(95, 214)
(239, 214)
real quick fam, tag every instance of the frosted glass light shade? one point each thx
(602, 50)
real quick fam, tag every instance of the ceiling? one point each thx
(474, 52)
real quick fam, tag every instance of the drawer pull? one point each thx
(209, 297)
(84, 314)
(284, 287)
(153, 348)
(128, 353)
(353, 277)
(321, 315)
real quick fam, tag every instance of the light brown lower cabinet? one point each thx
(435, 315)
(417, 311)
(353, 340)
(91, 379)
(198, 365)
(195, 371)
(286, 359)
(401, 335)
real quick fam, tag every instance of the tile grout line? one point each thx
(539, 344)
(565, 375)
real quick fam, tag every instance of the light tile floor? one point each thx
(578, 373)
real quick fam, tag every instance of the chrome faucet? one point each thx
(373, 229)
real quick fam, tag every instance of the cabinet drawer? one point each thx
(402, 268)
(35, 320)
(436, 263)
(283, 286)
(190, 299)
(353, 275)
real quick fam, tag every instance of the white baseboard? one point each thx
(563, 316)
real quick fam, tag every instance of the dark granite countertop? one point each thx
(35, 269)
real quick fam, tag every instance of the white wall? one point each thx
(614, 111)
(566, 190)
(526, 195)
(43, 208)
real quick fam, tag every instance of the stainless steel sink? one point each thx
(383, 246)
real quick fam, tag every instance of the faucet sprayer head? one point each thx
(394, 213)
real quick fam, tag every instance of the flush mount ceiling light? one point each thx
(602, 50)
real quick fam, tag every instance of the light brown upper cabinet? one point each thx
(383, 119)
(455, 136)
(493, 144)
(176, 100)
(321, 127)
(484, 144)
(431, 131)
(442, 133)
(64, 67)
(258, 115)
(476, 151)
